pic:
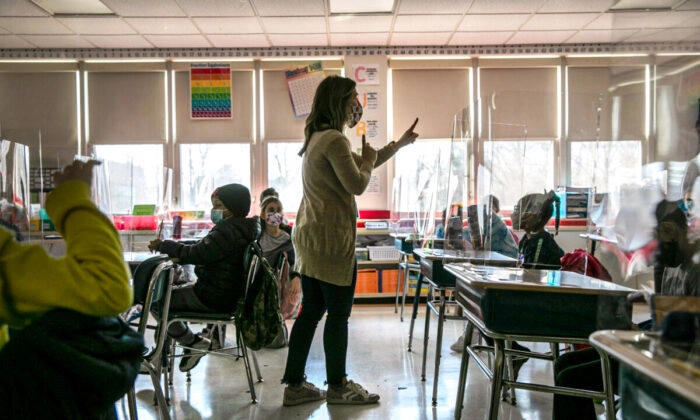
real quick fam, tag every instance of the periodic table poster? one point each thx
(301, 85)
(210, 91)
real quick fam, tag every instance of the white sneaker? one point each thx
(458, 345)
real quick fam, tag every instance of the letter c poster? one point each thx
(365, 74)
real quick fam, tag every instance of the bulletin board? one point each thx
(301, 85)
(210, 91)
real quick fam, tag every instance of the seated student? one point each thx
(276, 244)
(272, 192)
(496, 236)
(91, 279)
(218, 260)
(581, 368)
(537, 248)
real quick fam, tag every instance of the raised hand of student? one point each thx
(409, 136)
(76, 171)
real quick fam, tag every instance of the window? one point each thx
(203, 167)
(605, 164)
(419, 169)
(518, 168)
(284, 173)
(135, 174)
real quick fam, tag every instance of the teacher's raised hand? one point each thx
(409, 136)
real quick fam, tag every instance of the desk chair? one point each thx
(239, 350)
(157, 292)
(405, 268)
(437, 305)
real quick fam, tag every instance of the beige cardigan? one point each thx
(325, 228)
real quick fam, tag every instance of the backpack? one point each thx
(258, 316)
(68, 365)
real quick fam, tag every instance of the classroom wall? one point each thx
(65, 108)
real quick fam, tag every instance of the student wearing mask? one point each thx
(218, 261)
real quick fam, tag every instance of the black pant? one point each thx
(579, 369)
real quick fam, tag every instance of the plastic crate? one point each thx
(383, 253)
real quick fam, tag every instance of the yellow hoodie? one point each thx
(91, 278)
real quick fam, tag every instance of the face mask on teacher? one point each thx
(355, 114)
(217, 215)
(274, 219)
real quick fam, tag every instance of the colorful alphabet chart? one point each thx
(301, 84)
(210, 90)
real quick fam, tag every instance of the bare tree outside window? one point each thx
(206, 166)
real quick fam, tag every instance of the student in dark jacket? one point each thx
(218, 261)
(537, 248)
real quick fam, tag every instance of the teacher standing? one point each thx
(324, 240)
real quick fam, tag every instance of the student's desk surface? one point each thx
(673, 370)
(551, 306)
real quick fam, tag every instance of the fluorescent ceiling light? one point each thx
(125, 60)
(500, 57)
(361, 6)
(40, 60)
(429, 57)
(74, 7)
(644, 5)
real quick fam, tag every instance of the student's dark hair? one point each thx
(491, 201)
(329, 107)
(268, 192)
(269, 199)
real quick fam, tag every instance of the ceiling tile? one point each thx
(416, 38)
(33, 25)
(370, 39)
(540, 37)
(118, 41)
(510, 6)
(163, 26)
(360, 24)
(20, 8)
(558, 21)
(97, 25)
(416, 7)
(196, 8)
(492, 22)
(602, 36)
(13, 41)
(666, 35)
(690, 5)
(299, 40)
(575, 6)
(480, 38)
(137, 8)
(239, 41)
(641, 20)
(58, 41)
(229, 25)
(426, 23)
(692, 20)
(294, 25)
(289, 7)
(178, 41)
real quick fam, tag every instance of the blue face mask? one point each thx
(217, 215)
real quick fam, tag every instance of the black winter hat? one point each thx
(235, 197)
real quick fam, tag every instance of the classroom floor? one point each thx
(377, 359)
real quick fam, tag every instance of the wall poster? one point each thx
(210, 91)
(301, 85)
